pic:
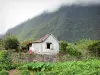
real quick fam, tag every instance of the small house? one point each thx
(46, 45)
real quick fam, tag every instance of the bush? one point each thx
(25, 72)
(72, 50)
(63, 45)
(11, 42)
(3, 72)
(4, 57)
(5, 61)
(94, 48)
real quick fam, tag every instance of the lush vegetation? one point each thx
(25, 72)
(69, 23)
(5, 61)
(63, 45)
(1, 44)
(94, 48)
(72, 50)
(90, 67)
(36, 66)
(3, 72)
(85, 67)
(82, 48)
(11, 42)
(85, 63)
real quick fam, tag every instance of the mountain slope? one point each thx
(69, 23)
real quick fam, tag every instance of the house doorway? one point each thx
(48, 45)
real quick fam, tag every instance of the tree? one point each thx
(63, 45)
(11, 42)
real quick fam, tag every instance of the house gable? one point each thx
(50, 45)
(54, 38)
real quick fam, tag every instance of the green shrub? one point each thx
(11, 42)
(1, 44)
(23, 67)
(5, 61)
(3, 72)
(25, 72)
(94, 48)
(4, 57)
(72, 50)
(63, 45)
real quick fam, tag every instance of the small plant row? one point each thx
(36, 66)
(86, 67)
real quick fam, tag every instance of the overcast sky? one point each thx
(13, 12)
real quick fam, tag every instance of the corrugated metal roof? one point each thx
(42, 39)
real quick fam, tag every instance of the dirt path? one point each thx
(14, 72)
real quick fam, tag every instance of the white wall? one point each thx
(55, 45)
(36, 47)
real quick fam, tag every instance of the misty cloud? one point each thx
(13, 12)
(59, 3)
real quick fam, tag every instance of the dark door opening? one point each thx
(48, 45)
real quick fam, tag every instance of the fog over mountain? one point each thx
(14, 12)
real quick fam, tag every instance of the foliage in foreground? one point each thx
(5, 61)
(25, 72)
(91, 67)
(36, 66)
(86, 67)
(3, 72)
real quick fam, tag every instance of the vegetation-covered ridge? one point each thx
(69, 23)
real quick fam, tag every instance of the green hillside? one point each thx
(69, 23)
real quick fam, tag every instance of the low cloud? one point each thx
(12, 12)
(55, 4)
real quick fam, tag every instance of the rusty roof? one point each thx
(42, 39)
